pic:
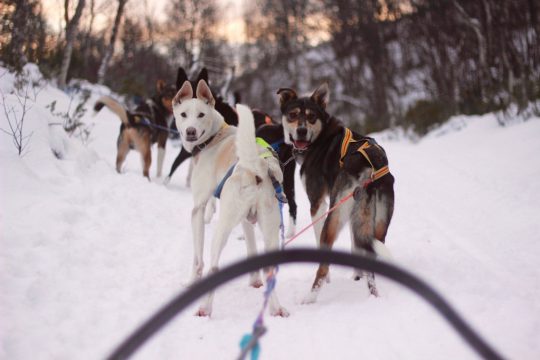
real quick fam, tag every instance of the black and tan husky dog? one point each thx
(146, 125)
(335, 162)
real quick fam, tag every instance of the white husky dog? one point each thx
(248, 195)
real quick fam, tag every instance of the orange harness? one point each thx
(346, 142)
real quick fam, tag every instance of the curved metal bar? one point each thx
(198, 289)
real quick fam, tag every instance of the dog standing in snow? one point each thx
(334, 162)
(147, 124)
(247, 196)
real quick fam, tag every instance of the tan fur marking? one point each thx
(226, 156)
(322, 272)
(380, 231)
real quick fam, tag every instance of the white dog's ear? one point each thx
(185, 93)
(320, 96)
(204, 93)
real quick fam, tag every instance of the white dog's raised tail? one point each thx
(246, 145)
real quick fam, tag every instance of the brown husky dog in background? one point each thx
(146, 125)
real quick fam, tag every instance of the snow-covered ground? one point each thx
(87, 254)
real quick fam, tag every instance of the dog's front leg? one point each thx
(332, 226)
(317, 210)
(197, 224)
(160, 158)
(316, 193)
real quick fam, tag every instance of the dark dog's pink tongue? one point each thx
(301, 145)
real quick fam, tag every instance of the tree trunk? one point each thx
(16, 45)
(102, 72)
(71, 32)
(476, 26)
(86, 45)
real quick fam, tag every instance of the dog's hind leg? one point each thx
(251, 247)
(363, 228)
(357, 274)
(269, 225)
(384, 207)
(143, 143)
(210, 210)
(146, 161)
(123, 150)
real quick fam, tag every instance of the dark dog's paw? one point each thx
(203, 312)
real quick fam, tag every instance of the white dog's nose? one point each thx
(191, 134)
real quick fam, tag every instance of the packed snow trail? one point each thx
(86, 254)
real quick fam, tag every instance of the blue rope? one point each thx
(147, 122)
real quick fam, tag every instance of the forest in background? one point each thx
(410, 63)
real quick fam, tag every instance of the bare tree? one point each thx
(72, 26)
(110, 48)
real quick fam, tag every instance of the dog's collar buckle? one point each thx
(200, 147)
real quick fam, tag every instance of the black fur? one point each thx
(323, 175)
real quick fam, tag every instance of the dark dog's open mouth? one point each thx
(300, 144)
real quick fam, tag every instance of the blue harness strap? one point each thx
(219, 188)
(276, 145)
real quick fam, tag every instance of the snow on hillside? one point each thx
(87, 254)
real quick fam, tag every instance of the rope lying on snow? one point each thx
(390, 271)
(247, 344)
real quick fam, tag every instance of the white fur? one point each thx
(241, 195)
(160, 157)
(205, 126)
(381, 250)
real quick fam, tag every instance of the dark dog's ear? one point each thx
(286, 95)
(160, 86)
(181, 77)
(204, 93)
(203, 75)
(320, 96)
(185, 93)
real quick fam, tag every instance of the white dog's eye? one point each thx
(183, 114)
(200, 115)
